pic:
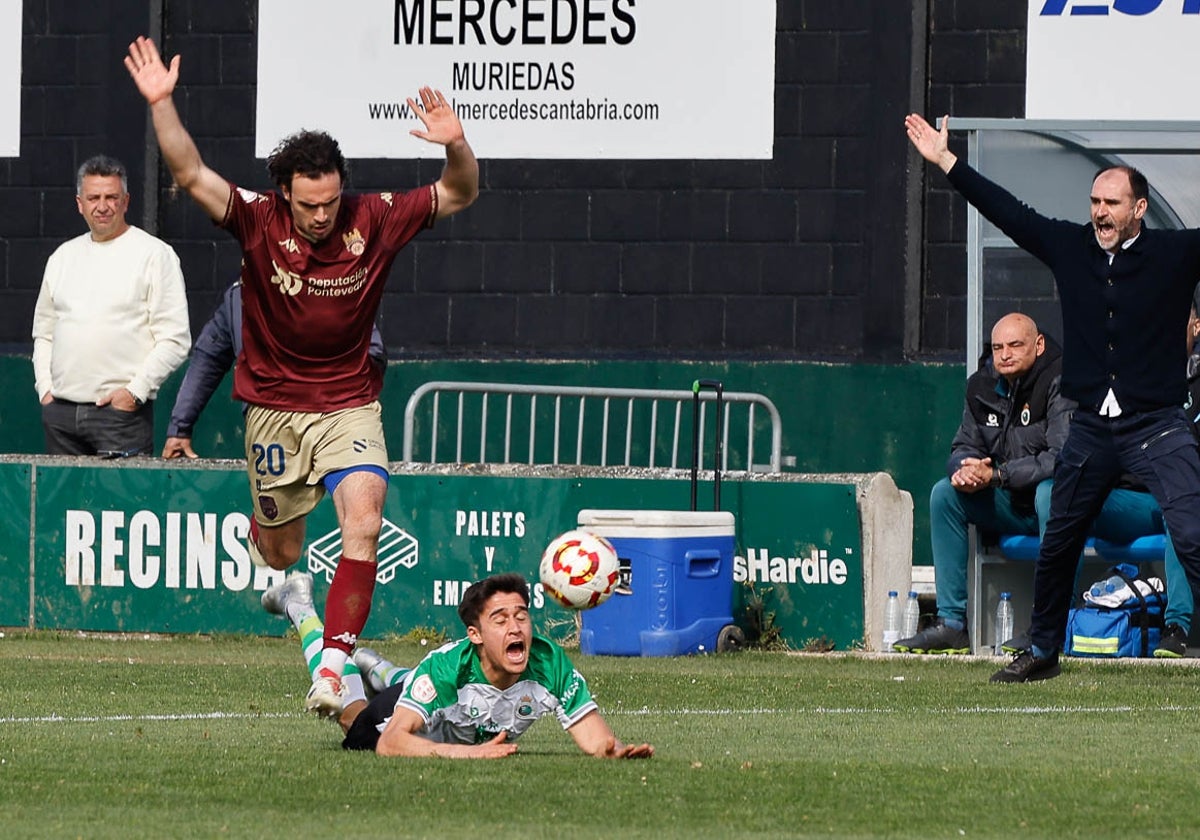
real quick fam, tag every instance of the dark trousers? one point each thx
(88, 429)
(1160, 449)
(364, 733)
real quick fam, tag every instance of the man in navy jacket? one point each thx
(1125, 291)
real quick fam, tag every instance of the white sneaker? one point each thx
(377, 672)
(297, 588)
(326, 697)
(366, 659)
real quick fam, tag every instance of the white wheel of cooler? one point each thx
(730, 639)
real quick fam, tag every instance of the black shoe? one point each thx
(1173, 644)
(1017, 644)
(1026, 667)
(936, 639)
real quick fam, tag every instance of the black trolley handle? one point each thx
(697, 386)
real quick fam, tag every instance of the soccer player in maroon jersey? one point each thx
(315, 262)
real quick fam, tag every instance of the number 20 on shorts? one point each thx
(269, 459)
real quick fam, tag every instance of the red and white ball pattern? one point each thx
(579, 570)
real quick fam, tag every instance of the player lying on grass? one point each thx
(468, 699)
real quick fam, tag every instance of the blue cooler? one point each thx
(676, 592)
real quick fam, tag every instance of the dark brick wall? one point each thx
(976, 69)
(74, 104)
(801, 256)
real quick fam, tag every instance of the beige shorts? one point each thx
(289, 452)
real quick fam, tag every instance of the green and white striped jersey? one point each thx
(459, 706)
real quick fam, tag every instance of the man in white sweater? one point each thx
(111, 323)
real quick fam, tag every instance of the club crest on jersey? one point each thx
(289, 282)
(1025, 415)
(355, 243)
(422, 689)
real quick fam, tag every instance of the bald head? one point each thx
(1016, 344)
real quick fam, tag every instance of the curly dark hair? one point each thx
(477, 594)
(307, 153)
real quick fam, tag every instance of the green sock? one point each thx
(312, 641)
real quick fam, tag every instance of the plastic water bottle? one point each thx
(891, 621)
(912, 616)
(1106, 587)
(1004, 621)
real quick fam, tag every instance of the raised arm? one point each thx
(931, 143)
(593, 735)
(156, 82)
(459, 184)
(1035, 233)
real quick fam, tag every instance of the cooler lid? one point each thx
(696, 522)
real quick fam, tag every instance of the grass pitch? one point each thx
(204, 737)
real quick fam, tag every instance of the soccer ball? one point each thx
(580, 570)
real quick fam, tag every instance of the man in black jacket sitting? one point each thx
(1014, 422)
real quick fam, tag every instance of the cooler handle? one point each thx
(703, 562)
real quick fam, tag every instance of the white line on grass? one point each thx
(118, 718)
(962, 710)
(1050, 710)
(647, 712)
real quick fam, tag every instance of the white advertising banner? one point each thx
(10, 78)
(1113, 60)
(529, 78)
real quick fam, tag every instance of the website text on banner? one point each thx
(576, 79)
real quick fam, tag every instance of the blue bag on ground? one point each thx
(1131, 628)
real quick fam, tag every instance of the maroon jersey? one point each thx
(308, 309)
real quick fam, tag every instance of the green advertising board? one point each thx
(161, 548)
(146, 550)
(799, 547)
(15, 574)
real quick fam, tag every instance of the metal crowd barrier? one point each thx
(639, 430)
